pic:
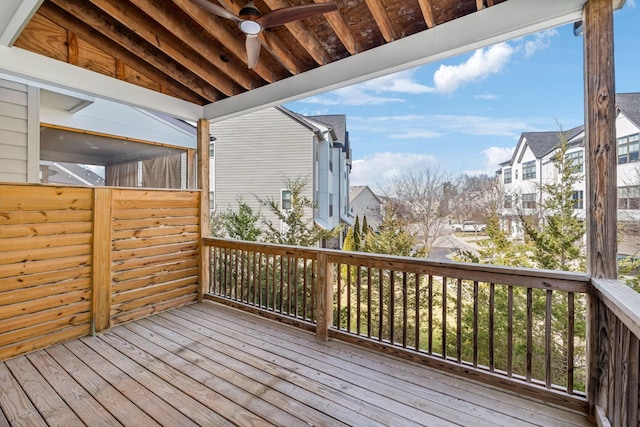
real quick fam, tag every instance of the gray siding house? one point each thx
(253, 155)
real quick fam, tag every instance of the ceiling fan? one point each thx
(251, 22)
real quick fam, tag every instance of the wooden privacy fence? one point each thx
(518, 329)
(73, 260)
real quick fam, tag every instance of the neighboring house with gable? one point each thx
(284, 145)
(532, 165)
(365, 203)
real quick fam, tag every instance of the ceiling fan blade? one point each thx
(294, 13)
(253, 50)
(217, 10)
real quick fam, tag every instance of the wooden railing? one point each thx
(615, 350)
(518, 329)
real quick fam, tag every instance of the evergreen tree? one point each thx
(349, 243)
(394, 237)
(292, 227)
(356, 234)
(557, 236)
(241, 225)
(365, 226)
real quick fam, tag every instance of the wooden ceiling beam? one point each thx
(302, 34)
(217, 29)
(427, 12)
(80, 29)
(341, 29)
(145, 52)
(166, 43)
(272, 42)
(382, 19)
(233, 68)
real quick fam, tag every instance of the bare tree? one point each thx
(423, 198)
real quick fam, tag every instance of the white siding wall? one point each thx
(366, 204)
(19, 135)
(629, 173)
(255, 152)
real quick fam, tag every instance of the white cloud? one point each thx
(379, 168)
(415, 134)
(631, 4)
(486, 96)
(415, 126)
(479, 125)
(483, 62)
(496, 155)
(351, 95)
(401, 82)
(370, 92)
(539, 41)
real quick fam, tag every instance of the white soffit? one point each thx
(14, 15)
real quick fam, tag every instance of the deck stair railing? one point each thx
(517, 329)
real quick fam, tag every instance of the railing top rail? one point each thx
(623, 301)
(524, 277)
(270, 248)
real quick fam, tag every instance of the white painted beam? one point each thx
(41, 69)
(14, 15)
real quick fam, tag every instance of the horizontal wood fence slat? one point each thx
(76, 260)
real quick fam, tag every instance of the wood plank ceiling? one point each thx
(176, 48)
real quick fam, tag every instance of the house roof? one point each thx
(174, 57)
(356, 190)
(629, 105)
(542, 143)
(338, 124)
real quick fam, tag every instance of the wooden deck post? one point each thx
(203, 185)
(601, 163)
(101, 286)
(324, 297)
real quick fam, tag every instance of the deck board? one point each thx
(207, 364)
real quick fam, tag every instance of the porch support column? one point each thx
(203, 185)
(600, 139)
(601, 180)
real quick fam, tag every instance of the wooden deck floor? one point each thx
(209, 365)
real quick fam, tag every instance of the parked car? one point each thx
(470, 227)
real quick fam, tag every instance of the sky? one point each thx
(465, 114)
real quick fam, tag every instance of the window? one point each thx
(577, 160)
(508, 202)
(212, 200)
(330, 205)
(507, 176)
(629, 197)
(629, 149)
(516, 173)
(212, 150)
(529, 201)
(578, 199)
(286, 199)
(529, 170)
(331, 165)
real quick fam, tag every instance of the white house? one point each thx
(532, 165)
(365, 203)
(283, 145)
